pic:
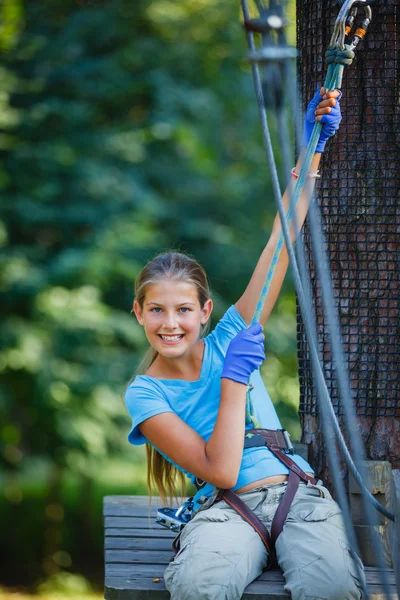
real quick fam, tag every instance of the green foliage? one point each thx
(125, 129)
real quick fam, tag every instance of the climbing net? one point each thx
(361, 213)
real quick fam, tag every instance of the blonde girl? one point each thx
(189, 408)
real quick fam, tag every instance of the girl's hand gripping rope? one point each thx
(323, 107)
(245, 354)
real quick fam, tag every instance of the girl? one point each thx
(189, 407)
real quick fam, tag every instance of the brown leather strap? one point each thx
(271, 437)
(291, 465)
(279, 518)
(247, 514)
(283, 508)
(275, 441)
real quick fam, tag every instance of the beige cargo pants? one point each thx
(221, 553)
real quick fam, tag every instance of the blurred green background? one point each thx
(126, 128)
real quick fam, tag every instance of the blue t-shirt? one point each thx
(197, 402)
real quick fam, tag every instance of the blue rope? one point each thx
(333, 81)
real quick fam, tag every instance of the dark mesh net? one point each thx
(359, 199)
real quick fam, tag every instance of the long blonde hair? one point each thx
(161, 474)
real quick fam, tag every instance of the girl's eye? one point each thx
(156, 309)
(184, 309)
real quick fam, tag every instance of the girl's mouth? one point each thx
(171, 339)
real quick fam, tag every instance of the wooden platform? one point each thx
(137, 550)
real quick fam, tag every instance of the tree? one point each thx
(127, 128)
(359, 200)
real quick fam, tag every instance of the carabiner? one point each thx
(347, 12)
(360, 31)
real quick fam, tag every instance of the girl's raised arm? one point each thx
(328, 108)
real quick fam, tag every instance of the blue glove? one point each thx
(330, 122)
(245, 354)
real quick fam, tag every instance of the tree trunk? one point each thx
(359, 200)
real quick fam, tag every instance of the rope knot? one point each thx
(341, 57)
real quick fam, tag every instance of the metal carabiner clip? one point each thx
(362, 29)
(346, 13)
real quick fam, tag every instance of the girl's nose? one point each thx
(171, 321)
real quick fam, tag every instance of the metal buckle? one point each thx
(188, 505)
(289, 446)
(175, 519)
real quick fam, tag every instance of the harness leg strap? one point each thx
(247, 514)
(284, 506)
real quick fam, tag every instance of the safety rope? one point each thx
(336, 58)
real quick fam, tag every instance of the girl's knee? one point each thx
(195, 592)
(202, 573)
(340, 590)
(192, 580)
(325, 584)
(317, 574)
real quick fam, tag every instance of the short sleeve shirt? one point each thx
(197, 402)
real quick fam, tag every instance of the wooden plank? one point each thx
(145, 557)
(125, 499)
(153, 588)
(131, 571)
(134, 500)
(136, 543)
(157, 570)
(128, 510)
(149, 544)
(140, 577)
(133, 505)
(120, 589)
(131, 523)
(138, 551)
(147, 589)
(372, 576)
(156, 532)
(134, 571)
(144, 588)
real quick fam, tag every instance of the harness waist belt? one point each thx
(276, 438)
(254, 438)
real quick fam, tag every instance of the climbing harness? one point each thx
(278, 442)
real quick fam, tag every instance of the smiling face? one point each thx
(172, 316)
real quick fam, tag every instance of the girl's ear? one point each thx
(206, 311)
(138, 312)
